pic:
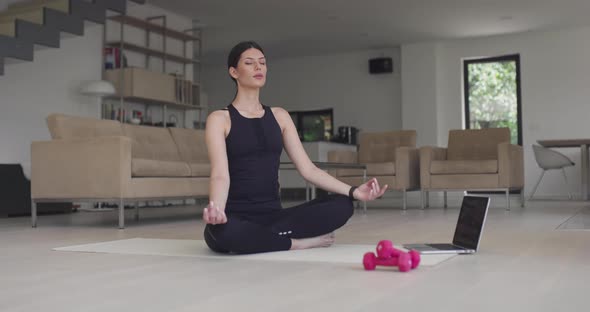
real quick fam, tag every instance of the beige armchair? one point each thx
(475, 160)
(391, 157)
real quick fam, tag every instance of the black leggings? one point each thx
(272, 231)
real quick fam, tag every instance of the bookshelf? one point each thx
(148, 87)
(151, 52)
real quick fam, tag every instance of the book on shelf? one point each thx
(112, 58)
(183, 90)
(112, 113)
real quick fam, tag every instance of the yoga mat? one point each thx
(337, 253)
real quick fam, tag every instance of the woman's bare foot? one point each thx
(313, 242)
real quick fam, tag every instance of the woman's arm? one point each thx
(369, 190)
(215, 133)
(306, 168)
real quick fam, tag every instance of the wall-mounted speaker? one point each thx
(381, 65)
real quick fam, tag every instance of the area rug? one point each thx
(337, 253)
(580, 221)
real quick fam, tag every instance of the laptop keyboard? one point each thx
(445, 246)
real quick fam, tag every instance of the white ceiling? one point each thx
(309, 27)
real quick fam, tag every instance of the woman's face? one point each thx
(251, 69)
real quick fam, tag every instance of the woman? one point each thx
(245, 142)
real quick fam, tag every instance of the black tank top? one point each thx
(254, 147)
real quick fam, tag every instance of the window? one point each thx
(492, 94)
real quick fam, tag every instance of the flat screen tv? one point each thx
(316, 125)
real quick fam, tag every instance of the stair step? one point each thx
(45, 35)
(88, 11)
(118, 6)
(65, 22)
(60, 5)
(16, 48)
(34, 16)
(41, 22)
(7, 29)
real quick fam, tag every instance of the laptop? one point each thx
(472, 218)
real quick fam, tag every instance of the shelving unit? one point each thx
(151, 52)
(148, 87)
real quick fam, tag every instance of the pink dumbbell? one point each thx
(415, 256)
(386, 250)
(403, 262)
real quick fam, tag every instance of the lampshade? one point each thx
(98, 88)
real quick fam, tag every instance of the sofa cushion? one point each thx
(343, 156)
(159, 168)
(75, 127)
(381, 169)
(349, 172)
(200, 169)
(151, 143)
(463, 166)
(378, 147)
(191, 144)
(373, 169)
(476, 144)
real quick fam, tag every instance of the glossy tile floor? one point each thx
(525, 264)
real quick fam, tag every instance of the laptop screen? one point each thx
(471, 221)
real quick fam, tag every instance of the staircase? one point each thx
(42, 22)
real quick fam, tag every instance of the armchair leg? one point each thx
(445, 196)
(427, 199)
(522, 199)
(121, 213)
(421, 199)
(405, 201)
(137, 210)
(33, 213)
(507, 199)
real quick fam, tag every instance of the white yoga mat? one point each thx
(337, 253)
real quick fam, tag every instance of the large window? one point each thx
(314, 125)
(492, 94)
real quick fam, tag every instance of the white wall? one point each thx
(555, 96)
(50, 84)
(31, 91)
(341, 81)
(419, 91)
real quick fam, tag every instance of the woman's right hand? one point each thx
(212, 214)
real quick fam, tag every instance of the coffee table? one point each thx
(310, 189)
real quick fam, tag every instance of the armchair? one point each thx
(475, 160)
(391, 157)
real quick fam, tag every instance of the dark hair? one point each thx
(235, 53)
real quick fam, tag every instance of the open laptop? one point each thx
(472, 218)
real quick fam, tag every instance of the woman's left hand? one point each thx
(370, 190)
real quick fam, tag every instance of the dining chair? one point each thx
(548, 159)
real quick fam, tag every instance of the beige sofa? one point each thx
(103, 160)
(475, 160)
(391, 157)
